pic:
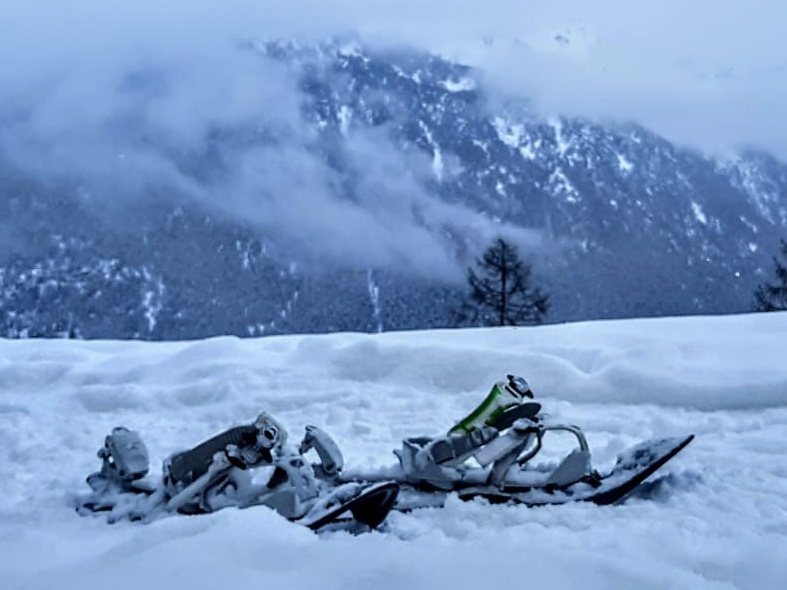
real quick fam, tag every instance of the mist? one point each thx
(112, 94)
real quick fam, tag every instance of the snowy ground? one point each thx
(718, 519)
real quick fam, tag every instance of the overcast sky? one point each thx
(707, 74)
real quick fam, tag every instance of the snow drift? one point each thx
(716, 518)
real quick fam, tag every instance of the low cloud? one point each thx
(709, 75)
(118, 95)
(124, 104)
(386, 219)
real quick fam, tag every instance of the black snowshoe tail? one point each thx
(633, 467)
(647, 461)
(370, 507)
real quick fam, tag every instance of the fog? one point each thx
(107, 92)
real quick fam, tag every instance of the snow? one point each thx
(561, 143)
(527, 152)
(152, 299)
(437, 157)
(345, 116)
(762, 192)
(624, 165)
(699, 214)
(716, 518)
(374, 299)
(510, 134)
(562, 186)
(461, 85)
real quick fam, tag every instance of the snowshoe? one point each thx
(222, 472)
(490, 454)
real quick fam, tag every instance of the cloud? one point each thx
(707, 73)
(126, 106)
(120, 94)
(385, 219)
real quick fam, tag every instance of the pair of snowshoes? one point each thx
(489, 454)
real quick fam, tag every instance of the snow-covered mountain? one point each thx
(618, 221)
(716, 518)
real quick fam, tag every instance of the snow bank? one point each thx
(718, 518)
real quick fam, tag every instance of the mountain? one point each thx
(617, 221)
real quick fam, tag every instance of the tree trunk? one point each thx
(503, 301)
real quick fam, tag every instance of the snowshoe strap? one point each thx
(455, 448)
(515, 438)
(418, 465)
(124, 460)
(502, 464)
(292, 489)
(125, 455)
(195, 487)
(571, 469)
(438, 461)
(331, 459)
(271, 434)
(190, 465)
(528, 410)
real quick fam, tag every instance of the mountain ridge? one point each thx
(617, 221)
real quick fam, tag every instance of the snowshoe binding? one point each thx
(489, 454)
(220, 472)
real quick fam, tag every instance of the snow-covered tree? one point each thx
(502, 292)
(773, 297)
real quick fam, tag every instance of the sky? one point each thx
(706, 74)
